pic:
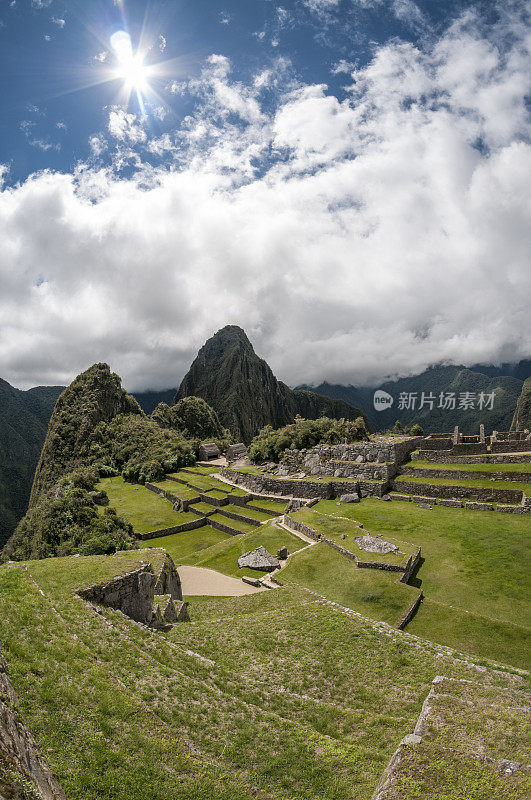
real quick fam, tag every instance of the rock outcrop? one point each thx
(19, 755)
(260, 559)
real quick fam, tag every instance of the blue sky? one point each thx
(56, 91)
(346, 179)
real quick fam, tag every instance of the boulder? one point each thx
(283, 553)
(260, 559)
(373, 545)
(386, 497)
(350, 498)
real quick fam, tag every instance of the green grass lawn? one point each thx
(480, 483)
(220, 494)
(176, 489)
(333, 528)
(223, 557)
(473, 561)
(244, 527)
(141, 507)
(372, 592)
(197, 480)
(206, 507)
(494, 468)
(184, 544)
(259, 516)
(300, 699)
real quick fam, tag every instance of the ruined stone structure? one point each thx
(208, 451)
(134, 593)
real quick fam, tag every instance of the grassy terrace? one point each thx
(223, 556)
(480, 483)
(200, 481)
(302, 700)
(373, 593)
(185, 544)
(177, 489)
(475, 574)
(494, 468)
(244, 527)
(332, 528)
(278, 507)
(142, 508)
(259, 516)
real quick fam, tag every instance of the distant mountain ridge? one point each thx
(24, 417)
(243, 391)
(433, 416)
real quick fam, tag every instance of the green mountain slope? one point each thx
(243, 391)
(96, 429)
(450, 379)
(23, 421)
(522, 415)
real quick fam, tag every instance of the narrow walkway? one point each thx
(208, 582)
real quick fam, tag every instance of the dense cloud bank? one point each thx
(353, 238)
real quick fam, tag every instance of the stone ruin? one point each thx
(371, 544)
(235, 452)
(208, 451)
(260, 559)
(135, 593)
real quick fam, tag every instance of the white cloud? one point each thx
(59, 22)
(101, 57)
(126, 127)
(351, 239)
(409, 13)
(224, 18)
(162, 43)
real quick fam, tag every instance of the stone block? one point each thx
(472, 506)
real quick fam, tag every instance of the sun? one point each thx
(130, 66)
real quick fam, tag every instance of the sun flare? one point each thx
(130, 66)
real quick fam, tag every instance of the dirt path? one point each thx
(202, 581)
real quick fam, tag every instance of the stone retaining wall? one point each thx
(306, 489)
(221, 527)
(510, 447)
(457, 474)
(240, 518)
(279, 486)
(173, 498)
(473, 493)
(410, 613)
(372, 459)
(185, 526)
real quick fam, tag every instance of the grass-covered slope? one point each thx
(96, 428)
(296, 700)
(242, 389)
(474, 573)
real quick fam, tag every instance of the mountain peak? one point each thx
(241, 388)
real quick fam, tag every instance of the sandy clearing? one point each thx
(203, 581)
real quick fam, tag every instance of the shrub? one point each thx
(305, 433)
